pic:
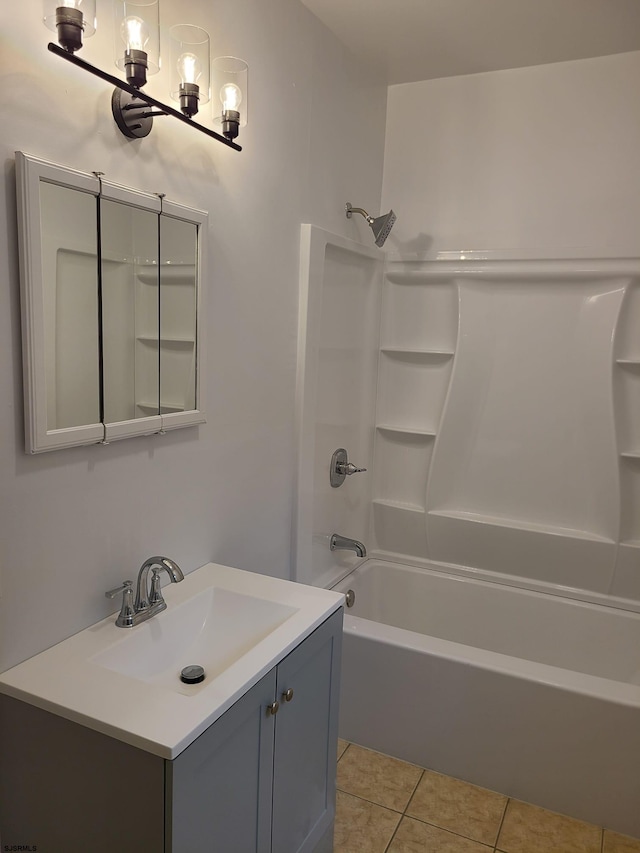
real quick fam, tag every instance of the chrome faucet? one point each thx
(148, 602)
(343, 543)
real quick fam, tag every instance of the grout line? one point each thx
(504, 814)
(371, 802)
(344, 752)
(450, 831)
(420, 778)
(395, 832)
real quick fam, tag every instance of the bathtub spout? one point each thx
(343, 543)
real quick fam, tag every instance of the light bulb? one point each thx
(134, 33)
(189, 68)
(231, 97)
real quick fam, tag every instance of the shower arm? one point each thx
(351, 210)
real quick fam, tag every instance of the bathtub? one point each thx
(529, 694)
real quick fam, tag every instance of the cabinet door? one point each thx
(306, 740)
(219, 789)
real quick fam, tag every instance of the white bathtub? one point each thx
(526, 693)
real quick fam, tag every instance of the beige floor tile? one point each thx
(529, 829)
(342, 745)
(362, 827)
(458, 806)
(413, 836)
(378, 778)
(616, 843)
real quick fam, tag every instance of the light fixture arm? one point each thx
(138, 94)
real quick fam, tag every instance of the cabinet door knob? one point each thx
(272, 709)
(287, 696)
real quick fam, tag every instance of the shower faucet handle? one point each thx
(348, 468)
(341, 468)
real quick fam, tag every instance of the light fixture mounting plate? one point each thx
(129, 112)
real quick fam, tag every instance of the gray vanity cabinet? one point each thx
(218, 790)
(253, 782)
(305, 741)
(259, 782)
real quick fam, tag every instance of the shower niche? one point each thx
(111, 290)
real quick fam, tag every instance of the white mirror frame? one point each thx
(30, 171)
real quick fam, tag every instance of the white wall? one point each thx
(533, 158)
(74, 523)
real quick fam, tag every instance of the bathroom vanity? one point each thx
(93, 757)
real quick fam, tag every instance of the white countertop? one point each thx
(67, 681)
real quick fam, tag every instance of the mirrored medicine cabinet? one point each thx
(111, 282)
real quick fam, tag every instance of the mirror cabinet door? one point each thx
(178, 314)
(130, 311)
(69, 238)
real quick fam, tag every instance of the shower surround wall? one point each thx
(506, 430)
(340, 289)
(506, 433)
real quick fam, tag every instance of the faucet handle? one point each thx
(340, 468)
(155, 596)
(348, 468)
(127, 586)
(125, 617)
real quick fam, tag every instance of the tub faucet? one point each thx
(148, 602)
(343, 543)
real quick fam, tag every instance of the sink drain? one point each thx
(193, 674)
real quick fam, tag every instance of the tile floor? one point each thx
(388, 806)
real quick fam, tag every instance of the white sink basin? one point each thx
(213, 629)
(125, 682)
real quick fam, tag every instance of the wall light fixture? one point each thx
(137, 40)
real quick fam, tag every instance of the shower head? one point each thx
(381, 225)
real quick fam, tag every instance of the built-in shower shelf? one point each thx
(403, 352)
(423, 276)
(409, 431)
(628, 362)
(519, 524)
(631, 454)
(405, 507)
(400, 528)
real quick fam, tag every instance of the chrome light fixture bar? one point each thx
(140, 95)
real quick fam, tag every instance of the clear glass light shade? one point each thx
(87, 7)
(229, 88)
(137, 27)
(190, 61)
